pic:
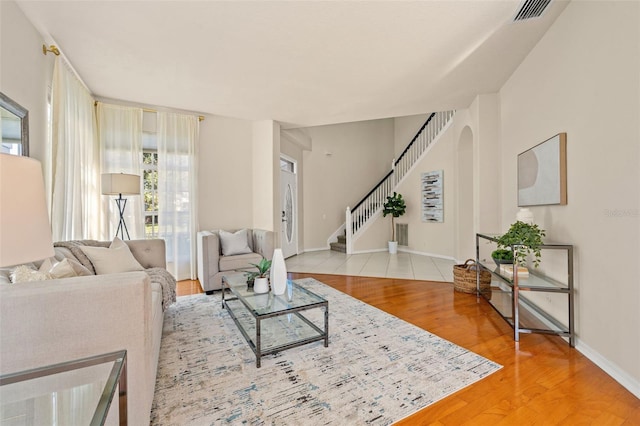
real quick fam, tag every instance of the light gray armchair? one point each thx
(213, 263)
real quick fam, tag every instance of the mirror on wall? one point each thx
(14, 127)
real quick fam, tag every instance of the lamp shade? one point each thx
(25, 232)
(120, 183)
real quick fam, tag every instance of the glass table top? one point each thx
(268, 303)
(74, 393)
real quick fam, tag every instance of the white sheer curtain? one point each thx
(177, 191)
(120, 135)
(75, 168)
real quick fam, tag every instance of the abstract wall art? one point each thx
(542, 173)
(432, 196)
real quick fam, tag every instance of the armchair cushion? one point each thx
(241, 261)
(234, 243)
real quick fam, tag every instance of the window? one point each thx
(150, 193)
(149, 170)
(287, 166)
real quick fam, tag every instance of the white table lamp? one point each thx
(25, 231)
(118, 184)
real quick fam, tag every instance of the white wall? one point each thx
(583, 78)
(266, 176)
(225, 185)
(25, 73)
(344, 164)
(429, 237)
(404, 129)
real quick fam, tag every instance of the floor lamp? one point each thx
(118, 184)
(25, 233)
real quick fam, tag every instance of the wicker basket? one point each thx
(464, 277)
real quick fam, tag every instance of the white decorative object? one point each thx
(525, 215)
(393, 247)
(261, 285)
(278, 273)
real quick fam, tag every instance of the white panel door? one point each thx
(289, 213)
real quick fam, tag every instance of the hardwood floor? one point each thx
(543, 382)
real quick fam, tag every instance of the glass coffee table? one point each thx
(271, 323)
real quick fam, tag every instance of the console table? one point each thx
(518, 299)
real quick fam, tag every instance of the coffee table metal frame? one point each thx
(236, 283)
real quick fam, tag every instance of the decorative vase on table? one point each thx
(525, 215)
(278, 273)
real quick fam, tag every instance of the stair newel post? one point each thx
(393, 170)
(348, 229)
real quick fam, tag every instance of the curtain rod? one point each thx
(200, 117)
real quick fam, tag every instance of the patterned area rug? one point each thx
(377, 369)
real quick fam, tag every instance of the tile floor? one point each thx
(378, 264)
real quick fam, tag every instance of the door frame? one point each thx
(296, 230)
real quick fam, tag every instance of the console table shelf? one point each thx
(509, 295)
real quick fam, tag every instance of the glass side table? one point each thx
(77, 392)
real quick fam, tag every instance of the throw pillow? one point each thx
(24, 273)
(236, 243)
(66, 268)
(5, 275)
(116, 258)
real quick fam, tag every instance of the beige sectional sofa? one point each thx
(48, 322)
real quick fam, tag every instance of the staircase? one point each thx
(341, 245)
(371, 204)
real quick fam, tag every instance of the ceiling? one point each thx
(302, 63)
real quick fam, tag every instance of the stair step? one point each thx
(342, 239)
(341, 247)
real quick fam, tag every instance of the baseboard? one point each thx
(422, 253)
(619, 375)
(370, 251)
(315, 249)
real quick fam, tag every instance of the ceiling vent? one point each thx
(531, 9)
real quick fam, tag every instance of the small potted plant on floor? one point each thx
(260, 280)
(528, 238)
(396, 207)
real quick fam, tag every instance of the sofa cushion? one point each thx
(66, 268)
(116, 258)
(234, 243)
(241, 261)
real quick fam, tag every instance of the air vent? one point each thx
(402, 234)
(531, 9)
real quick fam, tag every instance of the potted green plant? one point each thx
(528, 238)
(396, 207)
(260, 280)
(502, 256)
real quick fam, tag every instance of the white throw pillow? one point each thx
(24, 273)
(116, 258)
(236, 243)
(66, 268)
